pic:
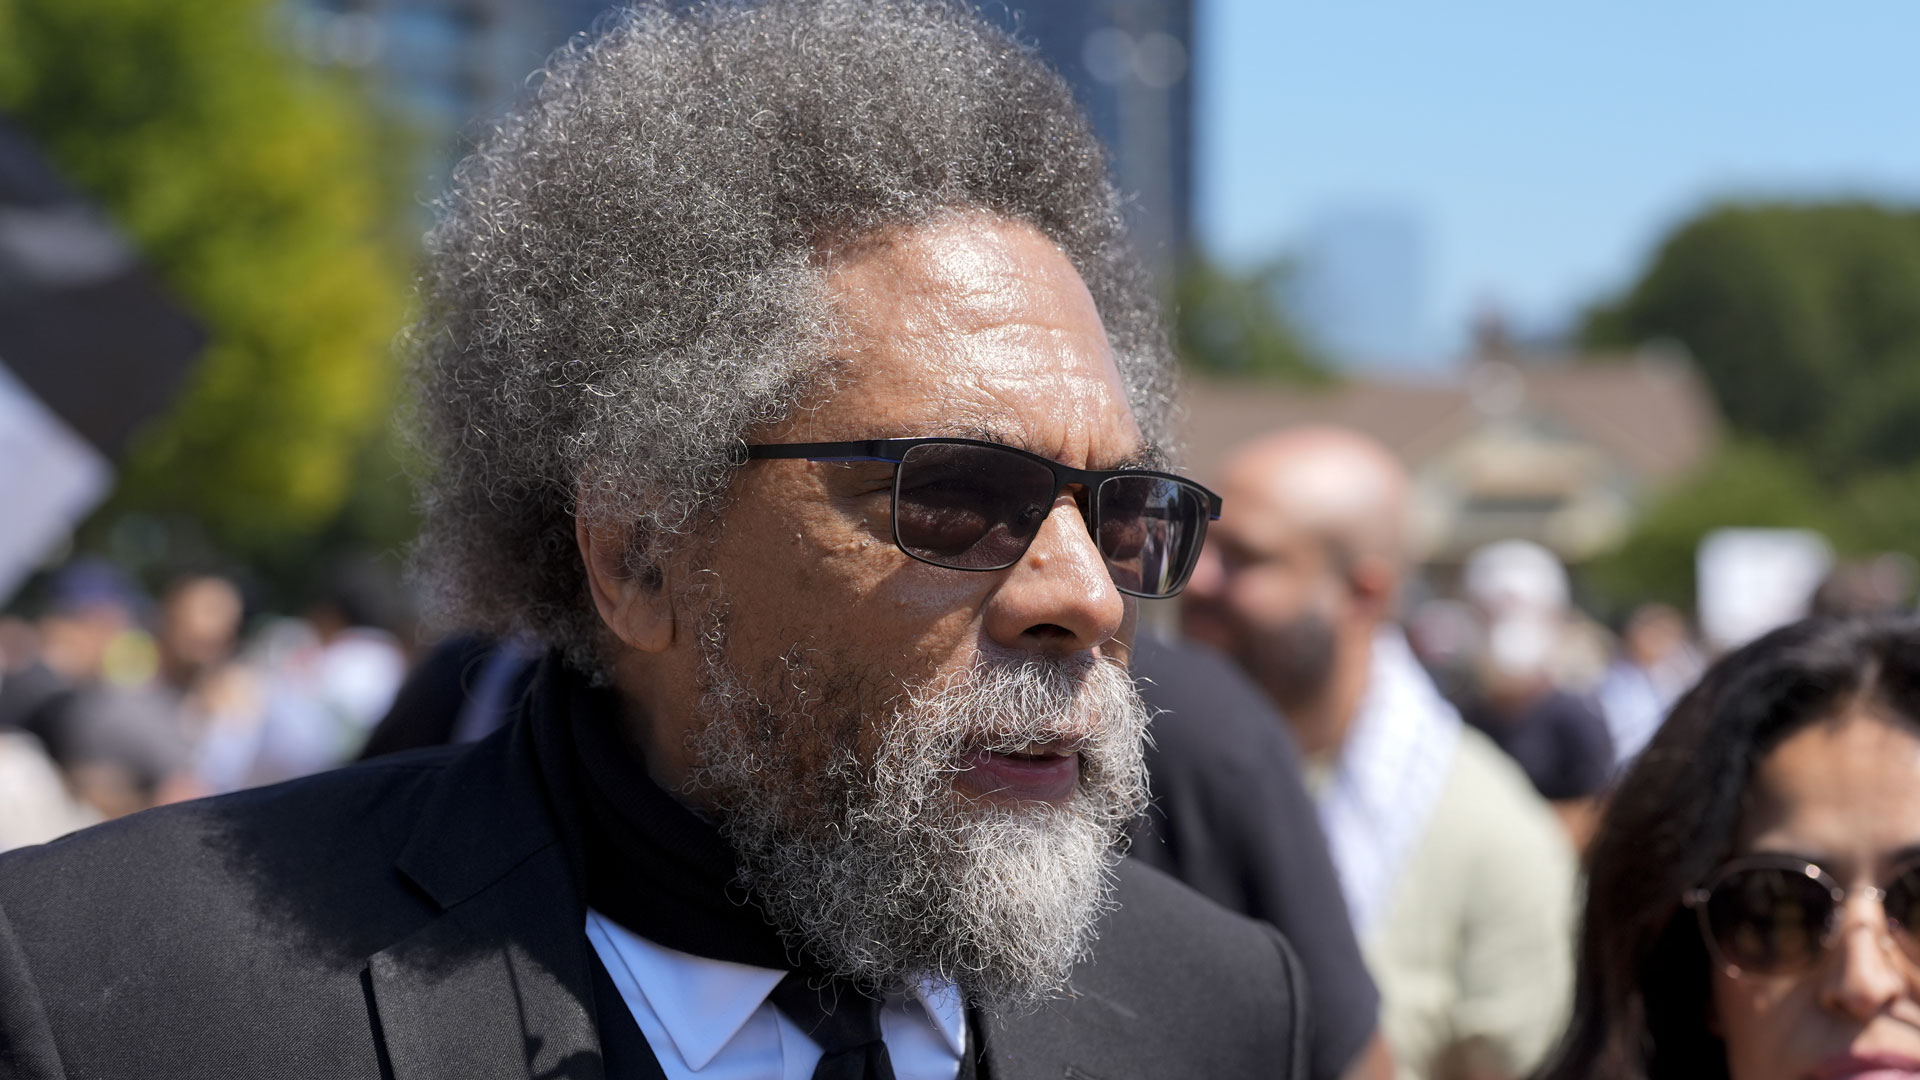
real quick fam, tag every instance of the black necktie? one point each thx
(656, 868)
(844, 1021)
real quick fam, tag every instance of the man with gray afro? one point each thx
(784, 375)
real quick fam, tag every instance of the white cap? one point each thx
(1516, 576)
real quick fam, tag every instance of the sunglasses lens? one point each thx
(1769, 920)
(969, 507)
(1150, 530)
(1903, 909)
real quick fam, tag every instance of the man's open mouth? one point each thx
(1042, 773)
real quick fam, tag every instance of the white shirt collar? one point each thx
(948, 1012)
(703, 1003)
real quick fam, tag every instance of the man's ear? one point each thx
(1374, 580)
(633, 604)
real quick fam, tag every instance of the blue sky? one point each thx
(1544, 148)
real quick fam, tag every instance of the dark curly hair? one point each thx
(625, 277)
(1641, 998)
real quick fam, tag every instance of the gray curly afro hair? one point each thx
(625, 277)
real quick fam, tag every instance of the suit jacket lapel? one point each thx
(497, 984)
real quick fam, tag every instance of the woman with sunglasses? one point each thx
(1753, 907)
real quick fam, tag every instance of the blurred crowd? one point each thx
(113, 700)
(1455, 730)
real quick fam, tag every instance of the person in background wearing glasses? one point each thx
(1753, 907)
(786, 374)
(1457, 877)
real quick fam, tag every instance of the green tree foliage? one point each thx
(1754, 484)
(1228, 323)
(257, 190)
(1804, 320)
(1746, 483)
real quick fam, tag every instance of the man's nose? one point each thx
(1868, 971)
(1060, 597)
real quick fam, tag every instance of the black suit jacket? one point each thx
(416, 917)
(1233, 820)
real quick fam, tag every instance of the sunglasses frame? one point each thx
(1697, 898)
(894, 451)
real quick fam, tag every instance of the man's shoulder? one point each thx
(1487, 777)
(331, 822)
(1171, 935)
(1489, 805)
(240, 926)
(1151, 901)
(1177, 986)
(1209, 710)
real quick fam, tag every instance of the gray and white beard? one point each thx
(876, 865)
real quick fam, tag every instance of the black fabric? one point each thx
(1178, 987)
(428, 704)
(660, 870)
(418, 918)
(1560, 740)
(846, 1027)
(649, 863)
(1231, 818)
(624, 1052)
(972, 1065)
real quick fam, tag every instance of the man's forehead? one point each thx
(977, 327)
(973, 265)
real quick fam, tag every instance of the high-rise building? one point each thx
(1358, 285)
(441, 65)
(1131, 63)
(446, 65)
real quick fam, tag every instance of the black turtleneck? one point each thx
(647, 861)
(651, 864)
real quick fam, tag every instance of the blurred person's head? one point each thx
(1753, 905)
(124, 749)
(19, 643)
(356, 592)
(807, 222)
(1881, 585)
(199, 626)
(1447, 638)
(1511, 578)
(1521, 591)
(89, 604)
(1653, 633)
(1305, 561)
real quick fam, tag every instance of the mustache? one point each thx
(1068, 704)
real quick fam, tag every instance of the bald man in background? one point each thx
(1457, 878)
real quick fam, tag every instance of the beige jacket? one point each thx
(1477, 938)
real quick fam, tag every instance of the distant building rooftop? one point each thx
(1562, 451)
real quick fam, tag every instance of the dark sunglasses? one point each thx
(1777, 915)
(970, 505)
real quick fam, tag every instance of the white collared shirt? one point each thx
(711, 1019)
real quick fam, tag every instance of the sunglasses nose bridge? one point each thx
(1082, 495)
(1863, 908)
(1082, 498)
(1861, 976)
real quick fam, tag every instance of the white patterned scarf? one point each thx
(1389, 774)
